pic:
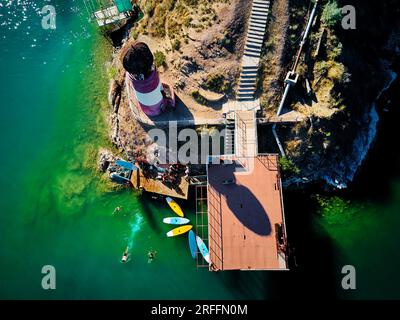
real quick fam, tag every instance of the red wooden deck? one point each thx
(242, 216)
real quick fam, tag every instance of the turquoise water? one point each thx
(56, 210)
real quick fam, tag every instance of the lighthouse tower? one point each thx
(145, 89)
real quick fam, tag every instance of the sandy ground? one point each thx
(202, 55)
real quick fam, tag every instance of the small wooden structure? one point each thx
(141, 182)
(110, 12)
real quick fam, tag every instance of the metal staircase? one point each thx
(229, 137)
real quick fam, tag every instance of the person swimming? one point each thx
(125, 255)
(151, 256)
(116, 210)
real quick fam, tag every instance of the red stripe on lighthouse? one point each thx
(147, 85)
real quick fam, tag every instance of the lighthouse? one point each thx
(145, 88)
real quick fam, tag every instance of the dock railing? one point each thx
(201, 221)
(215, 232)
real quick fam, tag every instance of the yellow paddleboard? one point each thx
(175, 207)
(179, 231)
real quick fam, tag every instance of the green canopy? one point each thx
(123, 5)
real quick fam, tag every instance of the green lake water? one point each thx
(56, 211)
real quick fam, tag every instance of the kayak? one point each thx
(192, 244)
(126, 165)
(178, 231)
(203, 249)
(176, 220)
(175, 207)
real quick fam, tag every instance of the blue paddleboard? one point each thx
(203, 249)
(176, 220)
(192, 244)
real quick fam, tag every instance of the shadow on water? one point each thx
(317, 274)
(382, 165)
(312, 273)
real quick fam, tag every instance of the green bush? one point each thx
(331, 15)
(288, 166)
(321, 69)
(176, 45)
(217, 82)
(112, 72)
(198, 97)
(159, 59)
(149, 8)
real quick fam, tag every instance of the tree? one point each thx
(331, 15)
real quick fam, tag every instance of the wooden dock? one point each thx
(140, 182)
(246, 217)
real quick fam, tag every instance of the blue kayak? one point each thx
(192, 244)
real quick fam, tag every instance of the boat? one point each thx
(178, 231)
(192, 244)
(119, 179)
(203, 249)
(126, 165)
(176, 220)
(175, 207)
(125, 255)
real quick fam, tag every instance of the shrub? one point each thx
(331, 15)
(321, 69)
(217, 83)
(288, 166)
(198, 97)
(112, 72)
(149, 8)
(176, 45)
(159, 59)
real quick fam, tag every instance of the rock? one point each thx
(212, 50)
(180, 83)
(106, 157)
(115, 138)
(189, 65)
(114, 95)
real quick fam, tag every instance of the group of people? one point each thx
(151, 255)
(170, 176)
(173, 175)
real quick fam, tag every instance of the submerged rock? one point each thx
(106, 157)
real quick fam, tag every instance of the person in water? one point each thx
(151, 255)
(116, 210)
(125, 255)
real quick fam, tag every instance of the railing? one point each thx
(241, 141)
(215, 232)
(276, 119)
(201, 221)
(268, 162)
(198, 180)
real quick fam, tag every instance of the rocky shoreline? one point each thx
(339, 175)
